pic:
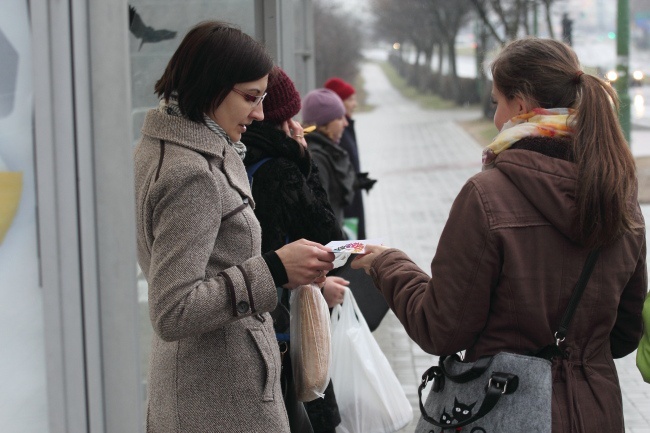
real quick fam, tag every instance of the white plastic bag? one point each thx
(369, 395)
(310, 342)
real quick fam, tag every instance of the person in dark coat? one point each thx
(348, 142)
(559, 181)
(324, 109)
(292, 204)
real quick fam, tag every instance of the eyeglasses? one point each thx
(254, 100)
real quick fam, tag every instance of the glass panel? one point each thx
(156, 30)
(23, 398)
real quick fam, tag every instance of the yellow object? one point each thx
(11, 186)
(309, 129)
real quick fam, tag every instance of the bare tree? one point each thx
(504, 19)
(509, 15)
(337, 41)
(449, 17)
(409, 21)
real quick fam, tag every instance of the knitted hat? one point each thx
(342, 88)
(321, 106)
(282, 100)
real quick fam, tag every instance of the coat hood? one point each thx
(547, 182)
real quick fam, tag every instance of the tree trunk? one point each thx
(426, 71)
(549, 23)
(453, 73)
(413, 78)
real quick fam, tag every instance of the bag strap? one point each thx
(475, 372)
(499, 384)
(553, 351)
(576, 296)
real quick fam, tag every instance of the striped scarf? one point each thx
(171, 107)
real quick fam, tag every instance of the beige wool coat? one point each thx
(215, 364)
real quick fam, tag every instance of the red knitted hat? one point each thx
(282, 100)
(342, 88)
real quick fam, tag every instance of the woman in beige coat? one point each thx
(215, 364)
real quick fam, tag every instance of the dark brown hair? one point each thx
(546, 73)
(211, 59)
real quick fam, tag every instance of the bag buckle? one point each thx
(500, 381)
(435, 374)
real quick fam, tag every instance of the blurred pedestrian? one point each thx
(354, 210)
(324, 109)
(559, 182)
(212, 367)
(291, 204)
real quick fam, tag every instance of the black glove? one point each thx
(364, 182)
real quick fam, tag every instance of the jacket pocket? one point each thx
(267, 353)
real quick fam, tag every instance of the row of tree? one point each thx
(432, 27)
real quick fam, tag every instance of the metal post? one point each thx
(535, 18)
(623, 64)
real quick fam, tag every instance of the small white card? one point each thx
(343, 249)
(352, 247)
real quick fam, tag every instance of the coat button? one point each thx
(243, 307)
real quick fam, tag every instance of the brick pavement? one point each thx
(422, 159)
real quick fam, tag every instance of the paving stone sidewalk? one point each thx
(422, 159)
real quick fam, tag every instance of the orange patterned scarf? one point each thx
(540, 122)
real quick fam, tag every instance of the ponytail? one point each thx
(606, 169)
(547, 73)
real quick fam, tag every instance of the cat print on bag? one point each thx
(445, 418)
(460, 412)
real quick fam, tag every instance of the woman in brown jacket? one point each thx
(215, 364)
(558, 181)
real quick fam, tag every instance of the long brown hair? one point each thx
(546, 73)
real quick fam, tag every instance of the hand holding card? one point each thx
(352, 247)
(343, 249)
(365, 261)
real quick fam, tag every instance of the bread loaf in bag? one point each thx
(310, 345)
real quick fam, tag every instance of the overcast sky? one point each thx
(359, 8)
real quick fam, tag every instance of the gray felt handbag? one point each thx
(504, 393)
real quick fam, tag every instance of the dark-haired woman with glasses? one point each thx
(215, 364)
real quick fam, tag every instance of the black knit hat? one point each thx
(282, 100)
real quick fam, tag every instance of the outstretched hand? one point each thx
(365, 261)
(305, 262)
